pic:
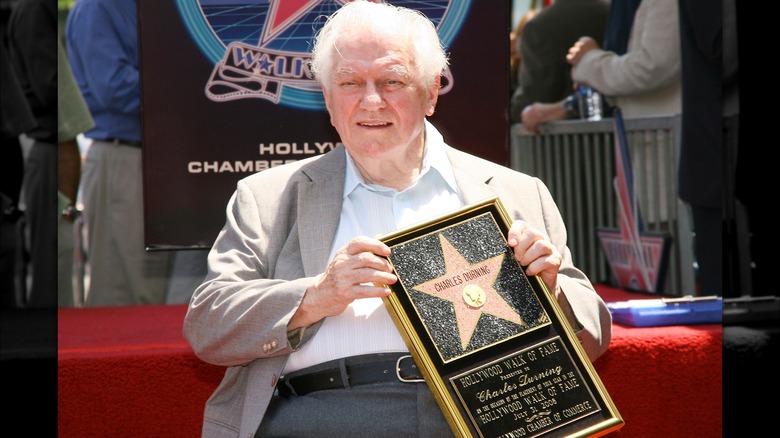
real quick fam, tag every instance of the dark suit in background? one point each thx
(16, 118)
(700, 172)
(32, 38)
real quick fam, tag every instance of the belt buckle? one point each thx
(398, 370)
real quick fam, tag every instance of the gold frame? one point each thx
(497, 371)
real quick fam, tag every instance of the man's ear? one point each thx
(433, 96)
(326, 96)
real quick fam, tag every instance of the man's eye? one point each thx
(394, 84)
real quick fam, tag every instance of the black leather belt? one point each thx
(348, 373)
(118, 141)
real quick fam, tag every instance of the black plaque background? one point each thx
(438, 371)
(548, 397)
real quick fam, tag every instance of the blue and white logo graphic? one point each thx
(260, 48)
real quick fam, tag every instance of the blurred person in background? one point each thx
(73, 119)
(515, 38)
(16, 117)
(544, 75)
(32, 36)
(617, 34)
(102, 47)
(700, 172)
(645, 80)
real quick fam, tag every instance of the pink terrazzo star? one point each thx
(447, 287)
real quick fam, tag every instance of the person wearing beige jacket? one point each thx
(645, 81)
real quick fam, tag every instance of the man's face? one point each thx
(376, 102)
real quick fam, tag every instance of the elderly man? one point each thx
(296, 278)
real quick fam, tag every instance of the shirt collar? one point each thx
(434, 158)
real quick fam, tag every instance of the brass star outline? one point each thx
(465, 315)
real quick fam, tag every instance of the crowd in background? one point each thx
(649, 58)
(73, 206)
(636, 54)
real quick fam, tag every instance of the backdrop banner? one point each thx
(226, 92)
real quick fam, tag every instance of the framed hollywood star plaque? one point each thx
(492, 343)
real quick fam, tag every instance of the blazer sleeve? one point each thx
(652, 60)
(593, 320)
(239, 313)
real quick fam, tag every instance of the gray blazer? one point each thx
(277, 237)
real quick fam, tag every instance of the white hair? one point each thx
(360, 18)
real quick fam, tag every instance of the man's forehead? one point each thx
(352, 69)
(373, 48)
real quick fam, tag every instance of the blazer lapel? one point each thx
(473, 179)
(319, 204)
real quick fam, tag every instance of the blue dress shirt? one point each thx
(102, 43)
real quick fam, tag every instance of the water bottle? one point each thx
(589, 103)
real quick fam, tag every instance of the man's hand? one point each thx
(533, 250)
(537, 114)
(358, 270)
(580, 48)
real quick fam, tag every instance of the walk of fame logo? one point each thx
(260, 48)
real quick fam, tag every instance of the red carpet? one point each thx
(127, 372)
(665, 381)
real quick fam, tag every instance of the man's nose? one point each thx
(372, 97)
